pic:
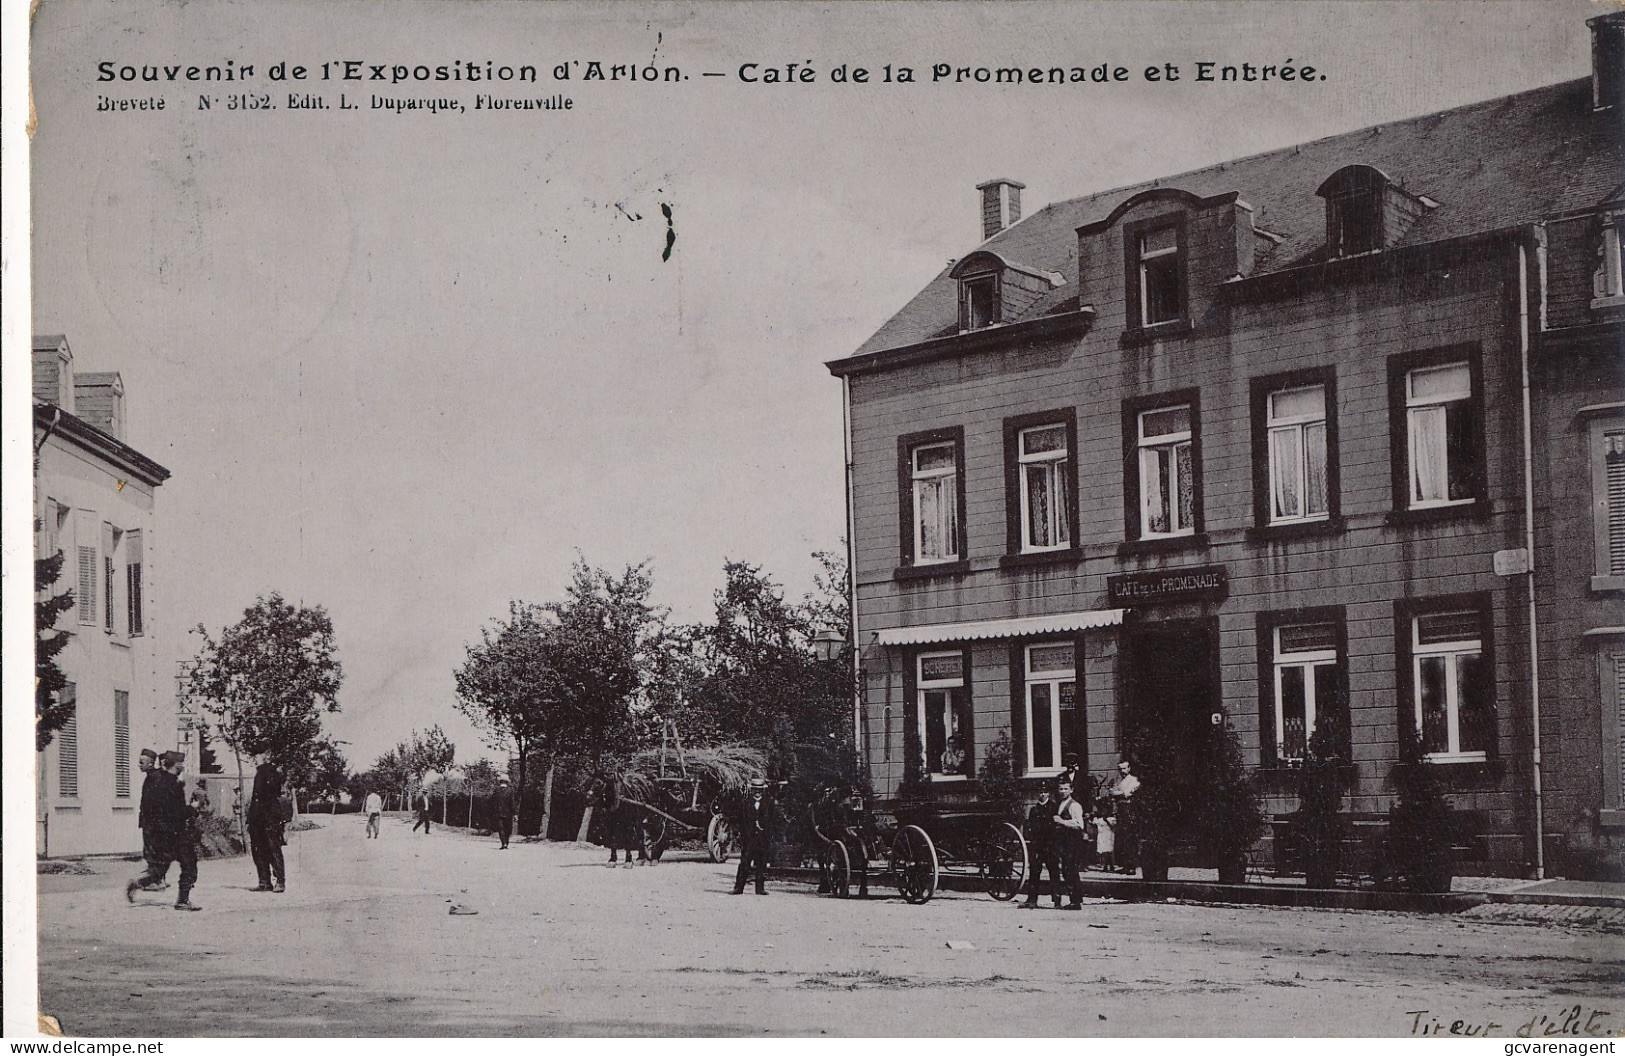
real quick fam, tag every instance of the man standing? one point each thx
(1041, 846)
(755, 833)
(169, 818)
(1128, 837)
(374, 809)
(1071, 821)
(265, 827)
(502, 806)
(147, 818)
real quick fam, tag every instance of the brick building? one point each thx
(94, 499)
(1253, 445)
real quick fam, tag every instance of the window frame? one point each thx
(1400, 368)
(1408, 657)
(1015, 484)
(1604, 576)
(1022, 680)
(907, 444)
(918, 687)
(1268, 625)
(1260, 391)
(1133, 514)
(1608, 277)
(992, 280)
(1134, 282)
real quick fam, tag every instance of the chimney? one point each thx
(1607, 60)
(53, 371)
(1001, 205)
(99, 400)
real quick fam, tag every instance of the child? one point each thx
(1105, 834)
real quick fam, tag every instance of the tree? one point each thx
(51, 712)
(268, 679)
(392, 773)
(1228, 818)
(206, 761)
(428, 752)
(325, 775)
(1422, 826)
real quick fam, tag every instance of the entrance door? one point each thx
(1171, 690)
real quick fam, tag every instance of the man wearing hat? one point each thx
(146, 817)
(170, 818)
(755, 833)
(502, 806)
(265, 826)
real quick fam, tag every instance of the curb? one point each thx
(1222, 894)
(1543, 899)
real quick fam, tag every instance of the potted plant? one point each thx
(1000, 788)
(1154, 813)
(1422, 827)
(1320, 801)
(1228, 820)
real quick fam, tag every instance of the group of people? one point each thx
(502, 806)
(1065, 837)
(170, 824)
(623, 824)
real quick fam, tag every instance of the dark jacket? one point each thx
(265, 803)
(502, 802)
(170, 811)
(1040, 828)
(757, 822)
(147, 818)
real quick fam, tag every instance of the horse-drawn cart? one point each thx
(678, 793)
(912, 846)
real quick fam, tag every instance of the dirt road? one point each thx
(363, 944)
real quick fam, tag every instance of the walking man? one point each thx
(755, 833)
(1071, 823)
(421, 801)
(173, 840)
(265, 827)
(1040, 832)
(502, 806)
(147, 817)
(374, 809)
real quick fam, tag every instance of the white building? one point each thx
(94, 500)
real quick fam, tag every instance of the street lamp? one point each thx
(828, 643)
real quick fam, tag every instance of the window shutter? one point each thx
(1619, 720)
(121, 743)
(88, 574)
(67, 745)
(1614, 445)
(134, 563)
(107, 577)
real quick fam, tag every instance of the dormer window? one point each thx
(978, 301)
(1366, 211)
(1607, 283)
(1156, 274)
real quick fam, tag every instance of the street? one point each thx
(364, 943)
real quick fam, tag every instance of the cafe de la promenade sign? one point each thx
(1202, 583)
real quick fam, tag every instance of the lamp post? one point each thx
(828, 643)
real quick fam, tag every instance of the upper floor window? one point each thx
(1437, 429)
(932, 496)
(90, 574)
(1050, 702)
(134, 585)
(67, 743)
(1167, 472)
(943, 714)
(1297, 454)
(1452, 692)
(1354, 221)
(978, 301)
(1041, 477)
(1607, 281)
(1160, 276)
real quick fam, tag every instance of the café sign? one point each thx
(1202, 583)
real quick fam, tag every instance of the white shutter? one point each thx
(89, 572)
(67, 746)
(1614, 457)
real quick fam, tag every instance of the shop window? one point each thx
(1049, 694)
(944, 715)
(1452, 687)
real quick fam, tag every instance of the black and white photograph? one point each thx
(935, 518)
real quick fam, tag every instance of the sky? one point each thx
(410, 365)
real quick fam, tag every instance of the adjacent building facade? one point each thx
(1264, 444)
(95, 500)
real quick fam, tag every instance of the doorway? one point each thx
(1170, 682)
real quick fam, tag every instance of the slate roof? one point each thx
(1489, 165)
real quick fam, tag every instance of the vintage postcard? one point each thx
(515, 483)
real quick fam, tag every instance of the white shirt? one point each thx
(1127, 786)
(375, 804)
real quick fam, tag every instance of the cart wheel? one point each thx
(719, 838)
(840, 870)
(654, 837)
(914, 865)
(1004, 861)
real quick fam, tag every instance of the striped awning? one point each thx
(1019, 627)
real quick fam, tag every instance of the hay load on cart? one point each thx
(683, 793)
